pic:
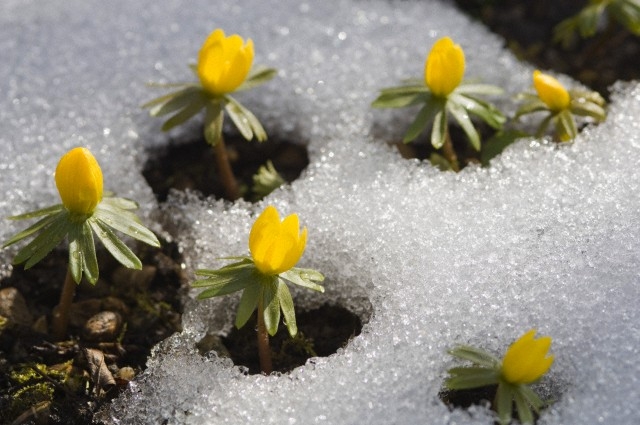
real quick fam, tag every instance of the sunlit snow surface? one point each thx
(547, 237)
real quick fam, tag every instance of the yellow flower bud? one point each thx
(526, 359)
(276, 246)
(444, 68)
(224, 62)
(551, 92)
(79, 181)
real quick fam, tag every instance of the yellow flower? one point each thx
(224, 62)
(526, 359)
(79, 181)
(444, 67)
(276, 246)
(551, 92)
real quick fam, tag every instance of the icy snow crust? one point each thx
(547, 237)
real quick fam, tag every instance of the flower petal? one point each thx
(79, 181)
(224, 62)
(551, 91)
(444, 67)
(276, 246)
(525, 361)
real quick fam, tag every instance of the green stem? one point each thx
(224, 170)
(264, 352)
(449, 153)
(60, 321)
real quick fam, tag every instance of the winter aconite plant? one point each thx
(596, 13)
(524, 363)
(275, 246)
(561, 106)
(225, 66)
(83, 212)
(442, 94)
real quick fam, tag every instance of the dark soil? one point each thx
(192, 165)
(321, 332)
(474, 396)
(466, 398)
(67, 380)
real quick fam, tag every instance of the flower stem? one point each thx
(449, 153)
(264, 352)
(224, 171)
(60, 320)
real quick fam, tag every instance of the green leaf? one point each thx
(461, 116)
(483, 89)
(532, 398)
(186, 113)
(266, 180)
(535, 105)
(177, 101)
(566, 125)
(213, 121)
(240, 120)
(76, 256)
(88, 247)
(497, 143)
(439, 129)
(48, 238)
(304, 277)
(484, 110)
(471, 377)
(82, 253)
(524, 411)
(115, 246)
(242, 263)
(257, 76)
(248, 303)
(544, 124)
(475, 355)
(504, 402)
(227, 282)
(44, 222)
(120, 203)
(125, 222)
(588, 109)
(228, 270)
(244, 119)
(286, 304)
(414, 87)
(440, 162)
(154, 84)
(271, 304)
(38, 213)
(400, 97)
(627, 12)
(563, 32)
(156, 102)
(588, 19)
(424, 117)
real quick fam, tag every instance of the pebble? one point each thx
(102, 327)
(14, 307)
